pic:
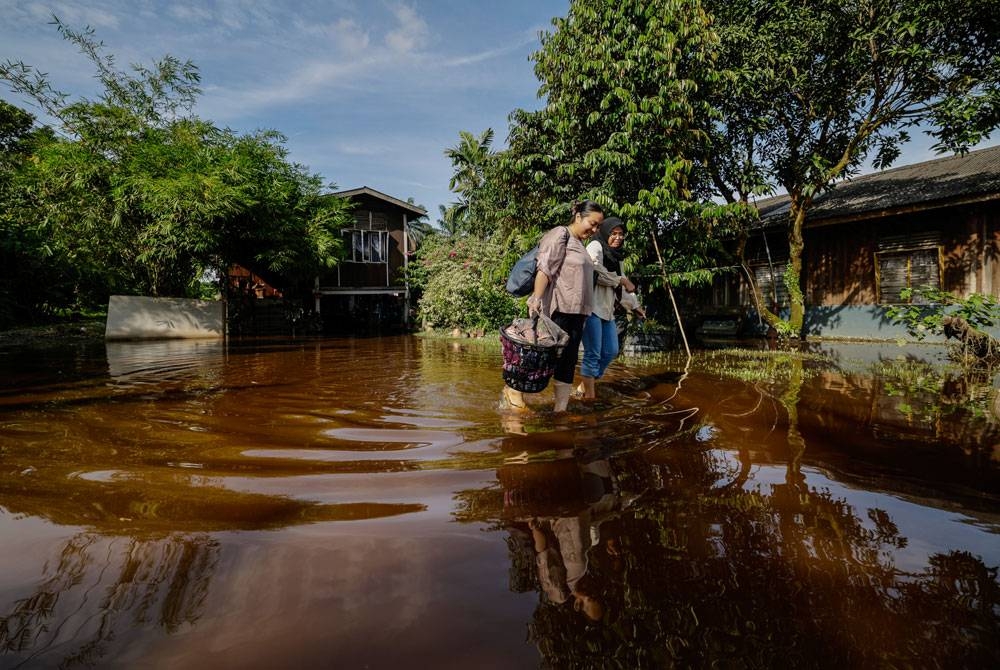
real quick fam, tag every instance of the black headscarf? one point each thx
(612, 257)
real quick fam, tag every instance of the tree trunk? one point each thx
(793, 274)
(975, 342)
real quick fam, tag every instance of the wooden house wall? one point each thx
(970, 250)
(362, 274)
(388, 218)
(372, 214)
(839, 260)
(839, 265)
(991, 225)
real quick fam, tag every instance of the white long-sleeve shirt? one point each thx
(607, 281)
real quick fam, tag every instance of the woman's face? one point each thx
(616, 237)
(585, 225)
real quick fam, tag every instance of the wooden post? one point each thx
(406, 278)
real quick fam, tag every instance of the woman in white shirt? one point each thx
(600, 333)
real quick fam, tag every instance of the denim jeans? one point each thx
(600, 346)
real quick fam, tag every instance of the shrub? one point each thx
(461, 279)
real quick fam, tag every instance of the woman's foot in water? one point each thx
(511, 399)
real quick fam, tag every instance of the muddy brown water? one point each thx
(364, 503)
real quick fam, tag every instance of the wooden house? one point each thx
(934, 223)
(368, 289)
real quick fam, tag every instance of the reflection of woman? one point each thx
(600, 332)
(567, 503)
(561, 546)
(564, 291)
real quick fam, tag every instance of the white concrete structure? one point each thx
(138, 317)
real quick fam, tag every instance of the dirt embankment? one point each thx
(69, 331)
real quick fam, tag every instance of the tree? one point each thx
(446, 222)
(623, 124)
(136, 194)
(813, 89)
(468, 159)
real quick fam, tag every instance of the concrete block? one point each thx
(138, 317)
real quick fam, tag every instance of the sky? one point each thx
(367, 92)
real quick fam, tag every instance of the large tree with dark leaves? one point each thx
(624, 123)
(815, 88)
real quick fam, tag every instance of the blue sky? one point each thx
(368, 92)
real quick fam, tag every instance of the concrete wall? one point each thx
(138, 317)
(852, 322)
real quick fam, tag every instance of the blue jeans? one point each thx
(600, 346)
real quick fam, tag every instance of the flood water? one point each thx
(364, 503)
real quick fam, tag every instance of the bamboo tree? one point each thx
(136, 194)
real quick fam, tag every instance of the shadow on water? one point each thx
(169, 497)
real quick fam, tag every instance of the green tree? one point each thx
(460, 279)
(469, 159)
(139, 195)
(623, 124)
(813, 89)
(446, 222)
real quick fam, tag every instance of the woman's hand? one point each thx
(534, 305)
(628, 285)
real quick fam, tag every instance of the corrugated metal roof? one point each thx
(972, 177)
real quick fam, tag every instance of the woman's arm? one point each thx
(631, 303)
(551, 253)
(535, 301)
(604, 276)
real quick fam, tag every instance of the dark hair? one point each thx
(585, 207)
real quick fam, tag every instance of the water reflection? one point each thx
(661, 558)
(97, 587)
(367, 500)
(161, 361)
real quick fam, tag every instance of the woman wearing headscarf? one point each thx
(600, 333)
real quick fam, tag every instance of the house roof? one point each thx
(416, 210)
(955, 180)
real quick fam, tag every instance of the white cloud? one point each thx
(472, 59)
(347, 35)
(190, 13)
(72, 14)
(310, 80)
(351, 149)
(411, 32)
(307, 81)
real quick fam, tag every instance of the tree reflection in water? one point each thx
(136, 583)
(693, 569)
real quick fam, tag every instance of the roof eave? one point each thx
(366, 190)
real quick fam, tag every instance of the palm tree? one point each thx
(468, 158)
(447, 222)
(419, 229)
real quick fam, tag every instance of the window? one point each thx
(724, 290)
(906, 269)
(367, 246)
(770, 280)
(907, 261)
